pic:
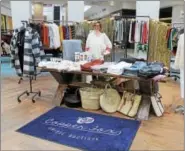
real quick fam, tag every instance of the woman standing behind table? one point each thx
(98, 44)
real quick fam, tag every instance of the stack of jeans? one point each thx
(134, 69)
(151, 70)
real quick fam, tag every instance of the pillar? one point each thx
(146, 8)
(21, 10)
(75, 11)
(38, 11)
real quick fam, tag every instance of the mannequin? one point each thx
(179, 62)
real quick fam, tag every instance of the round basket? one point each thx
(110, 100)
(90, 98)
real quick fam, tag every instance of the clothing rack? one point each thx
(127, 17)
(29, 92)
(174, 73)
(52, 21)
(30, 82)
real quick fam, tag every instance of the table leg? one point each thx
(59, 95)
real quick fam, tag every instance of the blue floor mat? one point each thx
(83, 130)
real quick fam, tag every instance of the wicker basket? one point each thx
(90, 98)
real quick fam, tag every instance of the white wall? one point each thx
(21, 10)
(177, 13)
(48, 12)
(5, 8)
(75, 11)
(96, 11)
(148, 8)
(170, 3)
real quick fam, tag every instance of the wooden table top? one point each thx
(96, 74)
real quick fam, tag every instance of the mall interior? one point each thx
(92, 75)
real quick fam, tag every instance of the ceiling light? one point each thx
(87, 7)
(111, 3)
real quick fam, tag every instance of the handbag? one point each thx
(110, 99)
(157, 104)
(129, 104)
(72, 98)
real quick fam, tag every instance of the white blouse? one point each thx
(97, 44)
(179, 58)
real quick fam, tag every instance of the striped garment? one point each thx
(33, 52)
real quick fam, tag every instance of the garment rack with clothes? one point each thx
(125, 43)
(22, 43)
(172, 73)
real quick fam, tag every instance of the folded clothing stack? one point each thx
(118, 68)
(76, 66)
(131, 60)
(134, 69)
(102, 68)
(151, 70)
(48, 64)
(87, 66)
(63, 65)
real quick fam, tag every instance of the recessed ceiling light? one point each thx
(111, 3)
(87, 7)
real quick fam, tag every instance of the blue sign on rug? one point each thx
(83, 130)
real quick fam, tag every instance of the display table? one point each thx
(64, 79)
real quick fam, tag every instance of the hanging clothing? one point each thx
(73, 31)
(133, 31)
(158, 45)
(130, 33)
(179, 62)
(145, 34)
(169, 39)
(57, 42)
(141, 31)
(137, 32)
(61, 33)
(182, 82)
(45, 35)
(179, 58)
(67, 32)
(97, 44)
(70, 33)
(33, 52)
(80, 32)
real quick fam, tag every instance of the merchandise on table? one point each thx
(134, 69)
(131, 60)
(87, 66)
(118, 68)
(102, 68)
(151, 70)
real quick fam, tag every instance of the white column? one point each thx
(21, 10)
(146, 8)
(178, 13)
(75, 11)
